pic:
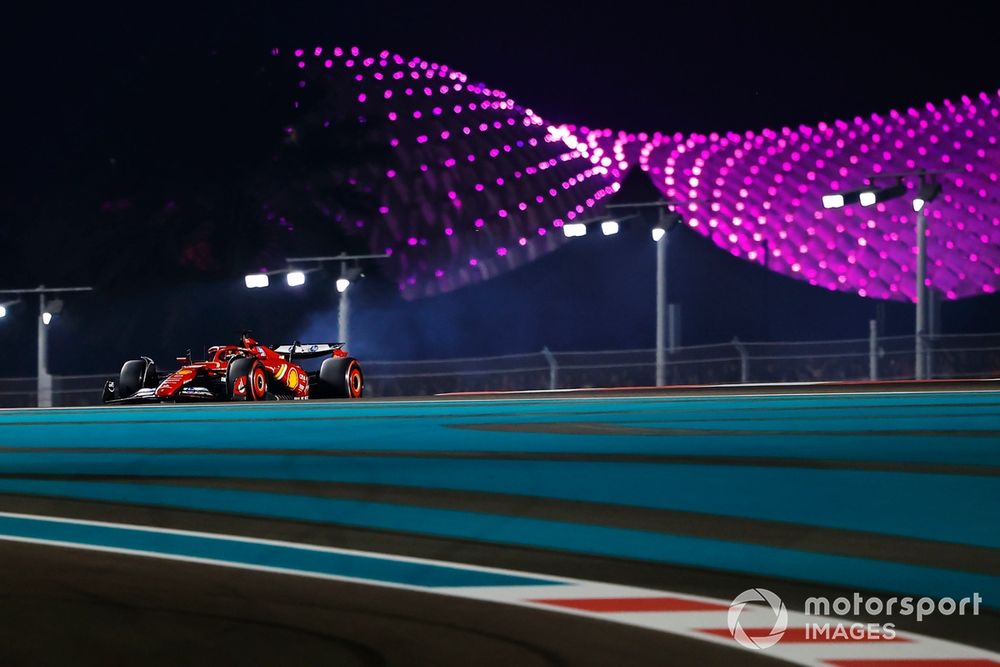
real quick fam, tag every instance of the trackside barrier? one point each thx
(883, 358)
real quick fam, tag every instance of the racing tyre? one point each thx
(340, 377)
(246, 380)
(135, 375)
(236, 378)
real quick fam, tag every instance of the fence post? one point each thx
(872, 350)
(673, 327)
(744, 360)
(933, 328)
(44, 382)
(553, 367)
(674, 341)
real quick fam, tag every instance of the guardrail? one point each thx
(886, 358)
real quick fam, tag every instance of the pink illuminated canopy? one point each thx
(478, 183)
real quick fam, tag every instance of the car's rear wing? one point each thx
(308, 350)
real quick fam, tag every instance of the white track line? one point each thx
(683, 622)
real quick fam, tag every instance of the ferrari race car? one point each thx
(245, 372)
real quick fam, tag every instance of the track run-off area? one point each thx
(512, 528)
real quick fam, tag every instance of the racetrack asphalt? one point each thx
(884, 492)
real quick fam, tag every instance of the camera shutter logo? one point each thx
(780, 618)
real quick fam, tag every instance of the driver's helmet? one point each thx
(227, 354)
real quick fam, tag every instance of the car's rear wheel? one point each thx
(340, 377)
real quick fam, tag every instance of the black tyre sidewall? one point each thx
(239, 368)
(334, 378)
(130, 379)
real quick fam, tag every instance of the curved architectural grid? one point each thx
(475, 183)
(758, 195)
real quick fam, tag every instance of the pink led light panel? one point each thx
(478, 181)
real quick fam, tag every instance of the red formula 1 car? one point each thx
(245, 372)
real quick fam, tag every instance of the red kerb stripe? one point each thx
(634, 604)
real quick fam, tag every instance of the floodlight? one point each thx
(846, 198)
(295, 278)
(867, 198)
(928, 190)
(658, 233)
(46, 317)
(4, 304)
(255, 280)
(575, 229)
(609, 227)
(833, 201)
(343, 284)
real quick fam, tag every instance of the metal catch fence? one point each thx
(882, 358)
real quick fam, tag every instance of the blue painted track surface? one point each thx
(916, 466)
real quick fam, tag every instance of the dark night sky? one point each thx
(93, 95)
(671, 65)
(75, 73)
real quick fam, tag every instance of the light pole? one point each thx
(661, 304)
(343, 304)
(45, 313)
(666, 221)
(928, 189)
(920, 363)
(347, 275)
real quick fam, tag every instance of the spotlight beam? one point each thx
(348, 274)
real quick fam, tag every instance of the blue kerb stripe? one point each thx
(242, 552)
(952, 508)
(826, 434)
(580, 538)
(515, 405)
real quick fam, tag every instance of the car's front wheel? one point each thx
(246, 380)
(135, 375)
